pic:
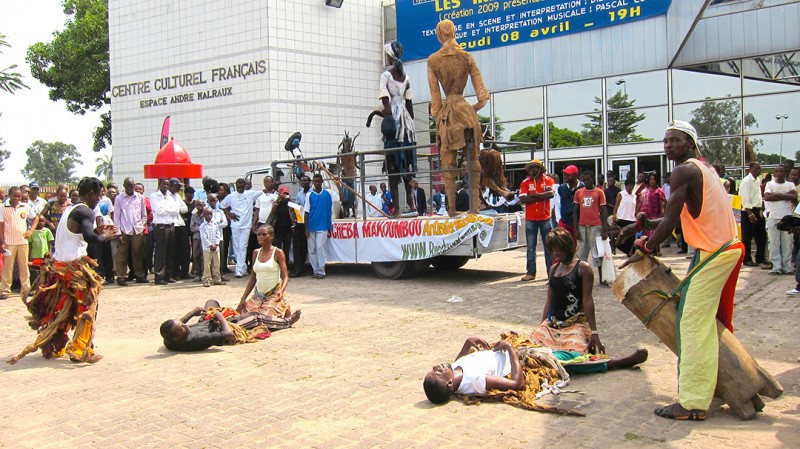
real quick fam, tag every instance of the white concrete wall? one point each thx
(322, 69)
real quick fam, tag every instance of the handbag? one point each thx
(389, 127)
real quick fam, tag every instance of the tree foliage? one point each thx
(74, 65)
(51, 162)
(498, 127)
(10, 81)
(105, 168)
(559, 137)
(722, 118)
(622, 122)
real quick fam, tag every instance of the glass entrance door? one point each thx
(621, 168)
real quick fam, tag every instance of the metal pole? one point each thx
(362, 168)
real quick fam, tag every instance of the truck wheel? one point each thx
(444, 263)
(393, 270)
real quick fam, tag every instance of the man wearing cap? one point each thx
(700, 203)
(238, 208)
(166, 212)
(566, 194)
(38, 203)
(535, 193)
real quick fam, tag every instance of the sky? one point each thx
(29, 115)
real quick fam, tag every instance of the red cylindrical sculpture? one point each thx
(173, 161)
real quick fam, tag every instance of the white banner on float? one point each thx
(395, 240)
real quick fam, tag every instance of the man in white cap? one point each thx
(700, 204)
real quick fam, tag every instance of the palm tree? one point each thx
(105, 168)
(9, 81)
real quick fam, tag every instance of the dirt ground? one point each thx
(349, 374)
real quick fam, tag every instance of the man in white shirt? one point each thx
(779, 194)
(238, 208)
(753, 222)
(38, 203)
(377, 200)
(166, 211)
(475, 373)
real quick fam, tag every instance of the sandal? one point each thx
(669, 413)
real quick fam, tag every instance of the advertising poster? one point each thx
(484, 24)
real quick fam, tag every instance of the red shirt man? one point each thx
(538, 208)
(535, 193)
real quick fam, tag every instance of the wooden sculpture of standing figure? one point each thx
(457, 124)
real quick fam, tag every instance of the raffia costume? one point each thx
(64, 298)
(457, 124)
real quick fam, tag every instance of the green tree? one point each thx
(722, 118)
(10, 81)
(50, 163)
(105, 168)
(622, 122)
(498, 127)
(74, 65)
(559, 137)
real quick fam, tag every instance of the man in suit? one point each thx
(462, 198)
(418, 197)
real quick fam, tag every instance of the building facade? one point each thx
(238, 77)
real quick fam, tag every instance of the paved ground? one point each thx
(350, 373)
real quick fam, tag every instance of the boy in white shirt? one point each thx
(210, 238)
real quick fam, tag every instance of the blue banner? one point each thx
(484, 24)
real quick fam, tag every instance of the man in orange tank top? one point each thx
(699, 203)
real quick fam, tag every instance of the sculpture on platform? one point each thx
(347, 162)
(457, 124)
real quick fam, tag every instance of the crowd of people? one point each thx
(175, 233)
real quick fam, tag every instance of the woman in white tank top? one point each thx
(269, 278)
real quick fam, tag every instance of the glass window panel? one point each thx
(637, 125)
(756, 86)
(761, 113)
(726, 151)
(519, 104)
(771, 73)
(511, 131)
(422, 123)
(712, 118)
(389, 23)
(689, 85)
(573, 98)
(641, 89)
(772, 148)
(575, 131)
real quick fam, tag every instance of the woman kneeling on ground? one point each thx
(568, 320)
(270, 277)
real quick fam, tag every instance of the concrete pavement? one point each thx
(350, 373)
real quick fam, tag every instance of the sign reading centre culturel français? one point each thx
(484, 24)
(188, 87)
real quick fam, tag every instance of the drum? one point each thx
(740, 379)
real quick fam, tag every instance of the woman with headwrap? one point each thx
(457, 124)
(398, 122)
